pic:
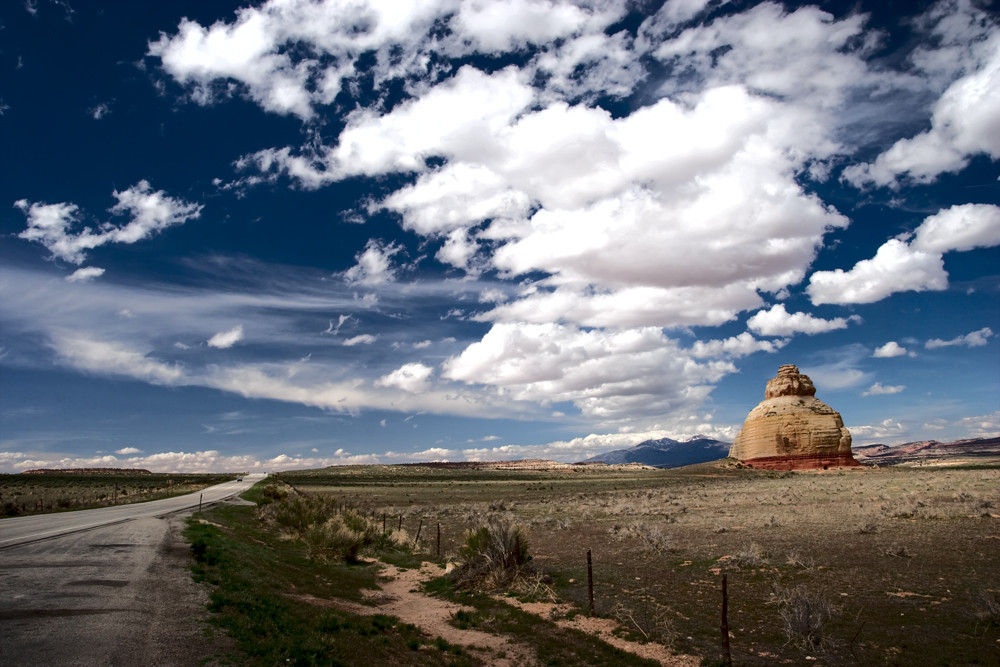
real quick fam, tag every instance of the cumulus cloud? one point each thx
(374, 264)
(409, 377)
(959, 228)
(608, 375)
(779, 322)
(878, 389)
(891, 349)
(918, 265)
(149, 212)
(735, 346)
(614, 217)
(896, 267)
(974, 339)
(226, 339)
(685, 209)
(291, 57)
(125, 451)
(965, 120)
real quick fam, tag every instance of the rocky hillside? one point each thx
(931, 452)
(667, 453)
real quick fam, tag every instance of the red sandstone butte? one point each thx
(793, 430)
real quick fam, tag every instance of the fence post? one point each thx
(417, 538)
(727, 657)
(439, 540)
(400, 526)
(200, 496)
(590, 582)
(383, 523)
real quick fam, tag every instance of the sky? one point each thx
(300, 233)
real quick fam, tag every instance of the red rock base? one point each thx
(802, 462)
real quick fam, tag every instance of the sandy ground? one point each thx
(400, 595)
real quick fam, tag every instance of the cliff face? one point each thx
(792, 429)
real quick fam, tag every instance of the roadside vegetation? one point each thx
(22, 495)
(886, 566)
(281, 596)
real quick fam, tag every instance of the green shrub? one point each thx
(329, 533)
(495, 558)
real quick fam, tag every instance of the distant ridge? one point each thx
(667, 453)
(87, 471)
(930, 452)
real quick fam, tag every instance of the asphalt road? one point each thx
(108, 586)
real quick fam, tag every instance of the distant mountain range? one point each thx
(667, 453)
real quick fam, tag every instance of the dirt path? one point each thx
(400, 595)
(603, 629)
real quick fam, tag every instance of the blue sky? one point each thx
(302, 233)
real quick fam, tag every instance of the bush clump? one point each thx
(495, 558)
(329, 532)
(805, 616)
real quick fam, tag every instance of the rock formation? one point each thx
(792, 429)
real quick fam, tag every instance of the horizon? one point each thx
(307, 233)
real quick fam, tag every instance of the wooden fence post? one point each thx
(417, 538)
(590, 581)
(439, 540)
(727, 657)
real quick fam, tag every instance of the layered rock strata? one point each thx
(791, 429)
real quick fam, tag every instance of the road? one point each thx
(109, 586)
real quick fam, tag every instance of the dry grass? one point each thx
(895, 562)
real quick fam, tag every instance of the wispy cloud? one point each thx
(973, 339)
(149, 212)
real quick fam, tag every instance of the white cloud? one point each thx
(361, 339)
(974, 339)
(410, 377)
(374, 264)
(85, 274)
(899, 266)
(638, 374)
(632, 216)
(779, 322)
(981, 426)
(891, 349)
(878, 389)
(106, 358)
(149, 213)
(291, 56)
(965, 121)
(896, 267)
(226, 339)
(888, 429)
(127, 451)
(181, 462)
(735, 346)
(959, 228)
(99, 111)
